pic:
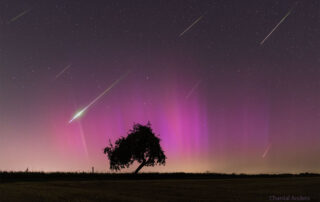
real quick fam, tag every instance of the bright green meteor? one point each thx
(80, 113)
(77, 115)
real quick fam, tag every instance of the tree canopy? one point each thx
(141, 145)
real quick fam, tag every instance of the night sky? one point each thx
(219, 98)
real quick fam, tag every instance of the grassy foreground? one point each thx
(157, 187)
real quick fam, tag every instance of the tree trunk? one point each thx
(139, 168)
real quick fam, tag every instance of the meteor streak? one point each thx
(266, 151)
(65, 69)
(19, 16)
(81, 112)
(195, 22)
(193, 89)
(289, 12)
(78, 114)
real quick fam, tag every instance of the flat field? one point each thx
(158, 187)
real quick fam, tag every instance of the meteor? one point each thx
(78, 114)
(193, 89)
(82, 111)
(65, 69)
(266, 151)
(19, 16)
(195, 22)
(289, 12)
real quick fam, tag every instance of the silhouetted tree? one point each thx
(140, 145)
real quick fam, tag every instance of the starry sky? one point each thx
(219, 98)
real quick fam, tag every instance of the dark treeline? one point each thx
(42, 176)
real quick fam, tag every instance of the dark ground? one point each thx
(157, 187)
